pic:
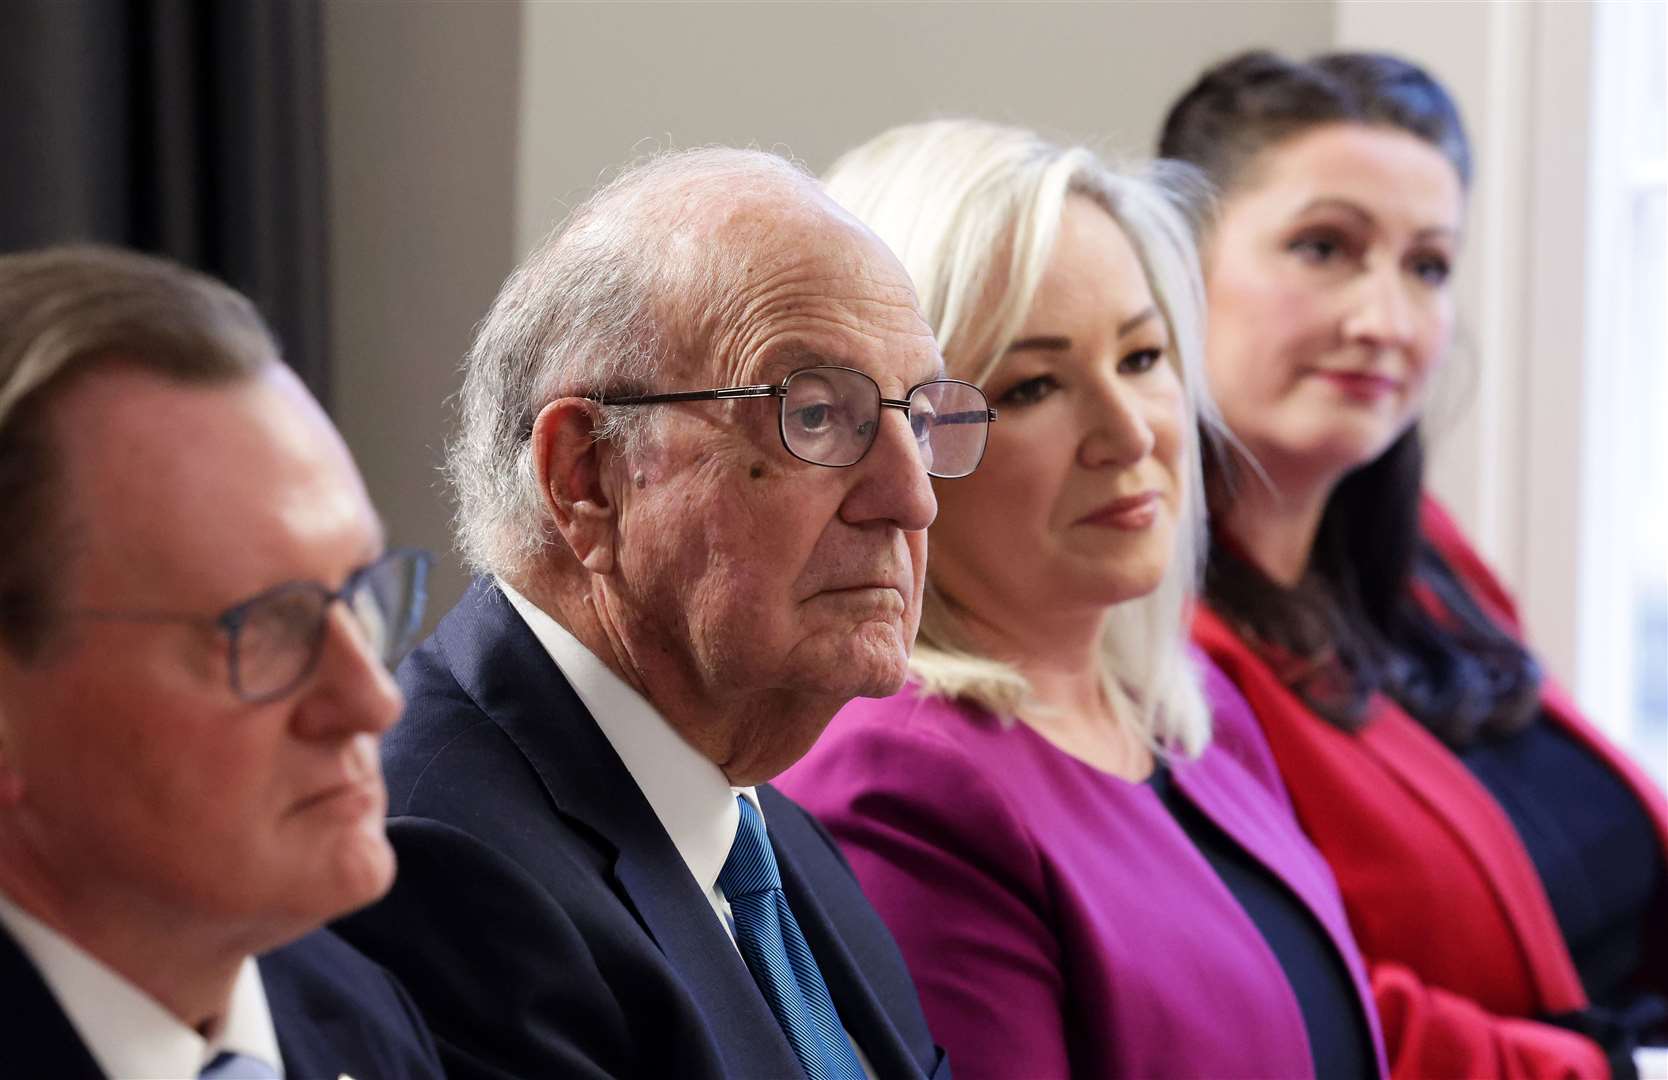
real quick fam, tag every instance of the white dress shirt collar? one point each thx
(127, 1031)
(687, 791)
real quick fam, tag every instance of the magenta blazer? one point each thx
(1056, 919)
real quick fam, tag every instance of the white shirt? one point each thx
(688, 792)
(126, 1030)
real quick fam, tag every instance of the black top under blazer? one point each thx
(542, 917)
(335, 1014)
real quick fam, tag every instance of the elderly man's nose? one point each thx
(352, 690)
(893, 484)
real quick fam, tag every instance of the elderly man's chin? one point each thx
(868, 659)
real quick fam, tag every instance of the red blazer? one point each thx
(1459, 936)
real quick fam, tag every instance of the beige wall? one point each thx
(422, 101)
(605, 81)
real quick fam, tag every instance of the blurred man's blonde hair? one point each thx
(65, 312)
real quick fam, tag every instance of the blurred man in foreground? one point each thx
(189, 722)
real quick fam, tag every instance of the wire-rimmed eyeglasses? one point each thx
(830, 415)
(274, 638)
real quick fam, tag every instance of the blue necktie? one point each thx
(770, 941)
(233, 1066)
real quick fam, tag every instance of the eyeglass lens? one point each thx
(956, 419)
(281, 633)
(830, 416)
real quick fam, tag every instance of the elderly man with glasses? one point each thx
(696, 435)
(189, 720)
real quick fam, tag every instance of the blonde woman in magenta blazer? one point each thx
(1069, 821)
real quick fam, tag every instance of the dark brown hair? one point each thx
(1250, 102)
(65, 313)
(1378, 610)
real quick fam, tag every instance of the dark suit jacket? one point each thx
(544, 920)
(334, 1012)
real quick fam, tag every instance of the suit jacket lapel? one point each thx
(302, 1056)
(502, 666)
(861, 1012)
(39, 1039)
(682, 923)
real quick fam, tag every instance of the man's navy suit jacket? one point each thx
(335, 1014)
(542, 917)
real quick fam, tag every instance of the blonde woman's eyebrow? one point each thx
(1135, 320)
(1061, 343)
(1043, 343)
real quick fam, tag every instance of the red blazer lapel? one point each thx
(1556, 703)
(1497, 603)
(1432, 774)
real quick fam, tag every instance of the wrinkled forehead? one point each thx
(801, 285)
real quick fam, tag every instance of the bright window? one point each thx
(1624, 573)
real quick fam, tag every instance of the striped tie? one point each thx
(775, 950)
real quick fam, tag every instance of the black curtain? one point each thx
(187, 128)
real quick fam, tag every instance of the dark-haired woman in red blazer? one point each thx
(1503, 867)
(1442, 895)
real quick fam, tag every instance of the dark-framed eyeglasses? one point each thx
(830, 416)
(274, 638)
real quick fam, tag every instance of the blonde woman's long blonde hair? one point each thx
(972, 210)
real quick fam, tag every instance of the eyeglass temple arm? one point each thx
(968, 416)
(692, 395)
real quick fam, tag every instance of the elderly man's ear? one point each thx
(568, 460)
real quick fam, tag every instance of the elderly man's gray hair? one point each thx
(595, 310)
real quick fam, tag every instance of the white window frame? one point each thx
(1608, 658)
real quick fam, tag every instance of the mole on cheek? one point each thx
(757, 470)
